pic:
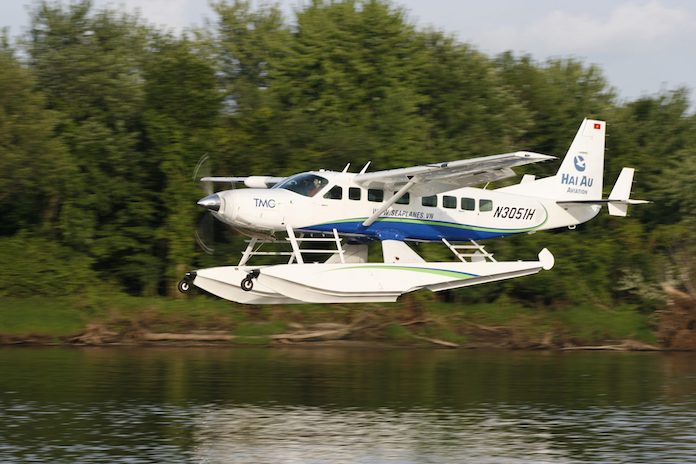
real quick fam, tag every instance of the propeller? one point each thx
(204, 233)
(201, 170)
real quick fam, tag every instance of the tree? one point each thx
(558, 94)
(34, 167)
(246, 45)
(343, 89)
(182, 111)
(89, 66)
(472, 111)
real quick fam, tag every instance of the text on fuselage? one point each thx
(264, 202)
(511, 212)
(406, 214)
(580, 181)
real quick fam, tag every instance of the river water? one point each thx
(345, 405)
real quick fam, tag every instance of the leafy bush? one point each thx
(37, 266)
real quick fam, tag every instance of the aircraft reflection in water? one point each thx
(429, 203)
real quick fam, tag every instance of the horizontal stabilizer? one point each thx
(606, 201)
(616, 207)
(620, 207)
(618, 200)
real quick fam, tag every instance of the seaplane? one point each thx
(326, 219)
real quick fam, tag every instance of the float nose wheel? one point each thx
(248, 283)
(186, 283)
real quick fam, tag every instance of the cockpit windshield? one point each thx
(306, 184)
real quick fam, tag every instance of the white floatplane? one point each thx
(337, 213)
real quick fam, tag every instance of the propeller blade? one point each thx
(205, 234)
(201, 170)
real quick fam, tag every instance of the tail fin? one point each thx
(581, 172)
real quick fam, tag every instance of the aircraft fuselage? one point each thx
(457, 215)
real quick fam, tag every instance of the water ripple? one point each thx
(263, 407)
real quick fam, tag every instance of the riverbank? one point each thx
(416, 321)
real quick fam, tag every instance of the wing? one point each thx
(250, 181)
(436, 178)
(431, 179)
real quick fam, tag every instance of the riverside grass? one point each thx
(503, 323)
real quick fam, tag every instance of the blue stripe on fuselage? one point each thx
(425, 231)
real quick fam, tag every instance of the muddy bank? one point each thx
(414, 322)
(677, 321)
(362, 334)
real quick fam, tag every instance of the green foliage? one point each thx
(182, 108)
(28, 316)
(590, 325)
(38, 266)
(468, 104)
(34, 168)
(555, 93)
(397, 333)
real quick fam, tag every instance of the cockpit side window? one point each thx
(336, 193)
(306, 184)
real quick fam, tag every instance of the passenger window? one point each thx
(468, 204)
(404, 200)
(429, 201)
(336, 193)
(449, 202)
(485, 205)
(375, 195)
(353, 193)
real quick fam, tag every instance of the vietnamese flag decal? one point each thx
(597, 125)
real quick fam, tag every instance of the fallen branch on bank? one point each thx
(95, 334)
(626, 345)
(193, 337)
(366, 326)
(342, 331)
(437, 341)
(318, 335)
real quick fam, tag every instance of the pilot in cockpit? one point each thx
(314, 188)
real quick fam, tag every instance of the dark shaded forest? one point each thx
(103, 118)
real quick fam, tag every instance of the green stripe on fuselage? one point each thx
(442, 272)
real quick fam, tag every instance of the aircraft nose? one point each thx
(212, 202)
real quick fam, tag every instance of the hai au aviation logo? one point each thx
(579, 161)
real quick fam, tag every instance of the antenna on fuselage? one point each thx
(362, 171)
(346, 168)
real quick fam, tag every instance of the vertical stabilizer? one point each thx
(581, 172)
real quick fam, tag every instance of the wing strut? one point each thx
(389, 202)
